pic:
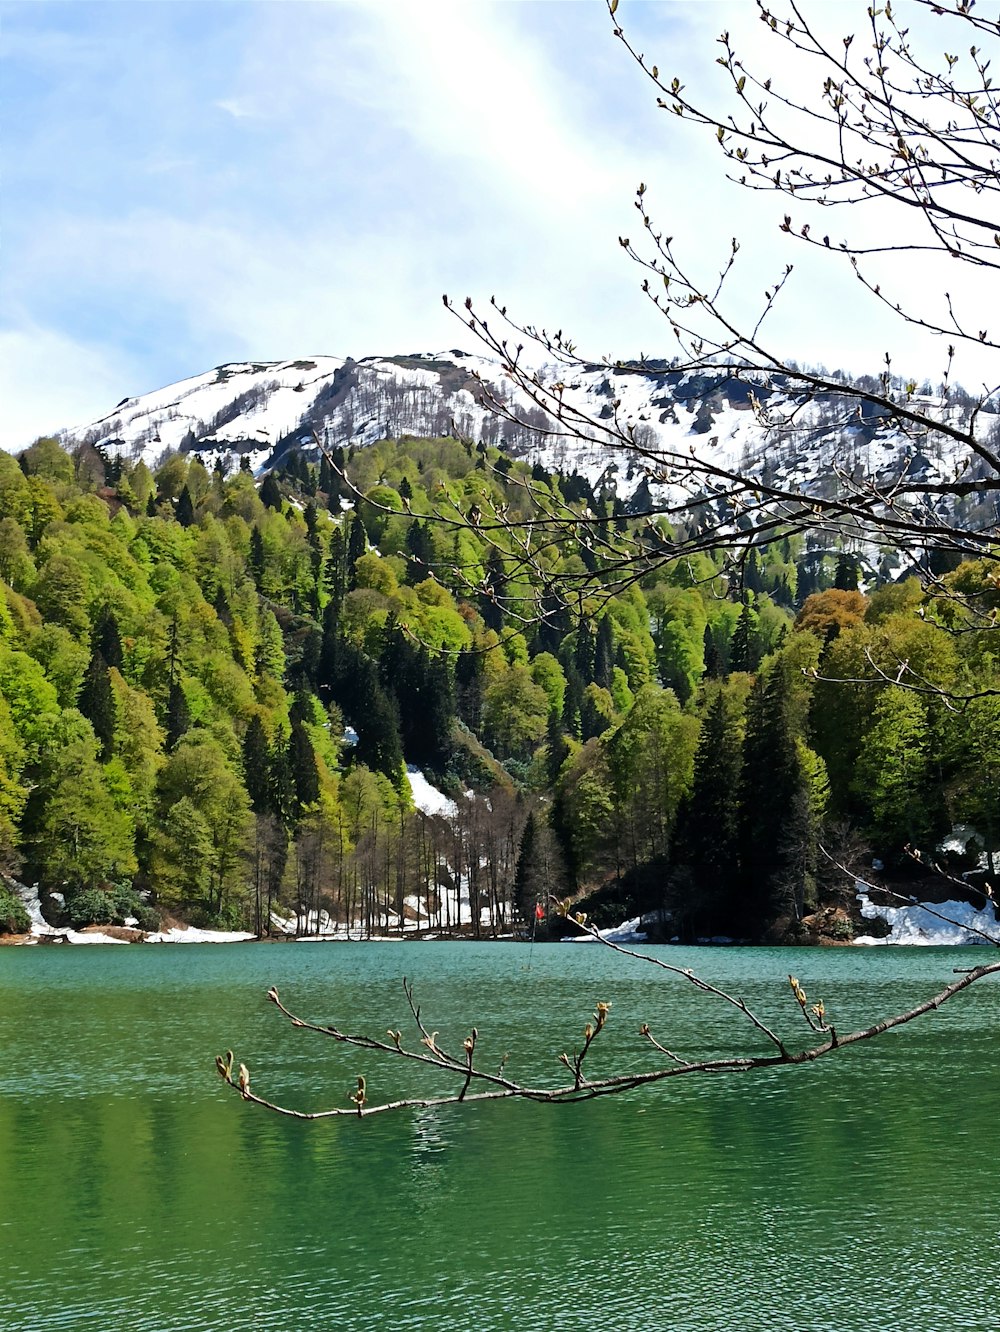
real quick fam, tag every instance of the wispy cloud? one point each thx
(240, 108)
(274, 179)
(48, 381)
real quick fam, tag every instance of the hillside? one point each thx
(210, 686)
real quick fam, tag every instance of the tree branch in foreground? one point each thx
(497, 1086)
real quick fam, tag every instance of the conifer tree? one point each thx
(494, 585)
(326, 669)
(583, 652)
(557, 747)
(379, 745)
(428, 712)
(255, 558)
(421, 549)
(752, 579)
(469, 687)
(184, 512)
(744, 653)
(221, 607)
(97, 703)
(604, 652)
(335, 574)
(714, 667)
(281, 782)
(302, 758)
(310, 519)
(357, 545)
(106, 639)
(270, 493)
(771, 785)
(710, 822)
(325, 475)
(178, 719)
(845, 579)
(256, 768)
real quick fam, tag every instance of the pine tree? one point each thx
(106, 639)
(184, 512)
(714, 666)
(325, 475)
(379, 746)
(281, 782)
(178, 720)
(770, 788)
(744, 653)
(557, 748)
(255, 558)
(335, 574)
(302, 759)
(490, 602)
(97, 703)
(221, 607)
(710, 823)
(270, 493)
(256, 768)
(752, 579)
(806, 583)
(845, 579)
(357, 544)
(604, 653)
(469, 687)
(427, 712)
(583, 652)
(573, 701)
(310, 519)
(421, 549)
(326, 669)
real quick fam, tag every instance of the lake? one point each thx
(137, 1192)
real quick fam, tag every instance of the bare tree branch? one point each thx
(496, 1086)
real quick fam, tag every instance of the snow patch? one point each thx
(193, 935)
(952, 923)
(630, 931)
(90, 937)
(427, 798)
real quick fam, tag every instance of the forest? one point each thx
(211, 685)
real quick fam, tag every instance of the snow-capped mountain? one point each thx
(265, 409)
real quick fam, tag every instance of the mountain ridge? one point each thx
(266, 409)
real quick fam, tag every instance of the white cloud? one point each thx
(49, 381)
(359, 159)
(240, 108)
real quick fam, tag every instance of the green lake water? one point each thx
(137, 1192)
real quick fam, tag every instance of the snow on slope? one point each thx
(259, 409)
(428, 799)
(277, 396)
(955, 923)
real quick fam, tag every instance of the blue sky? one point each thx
(192, 183)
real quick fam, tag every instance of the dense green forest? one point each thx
(183, 650)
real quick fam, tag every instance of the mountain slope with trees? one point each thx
(182, 648)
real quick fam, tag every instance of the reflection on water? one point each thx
(135, 1192)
